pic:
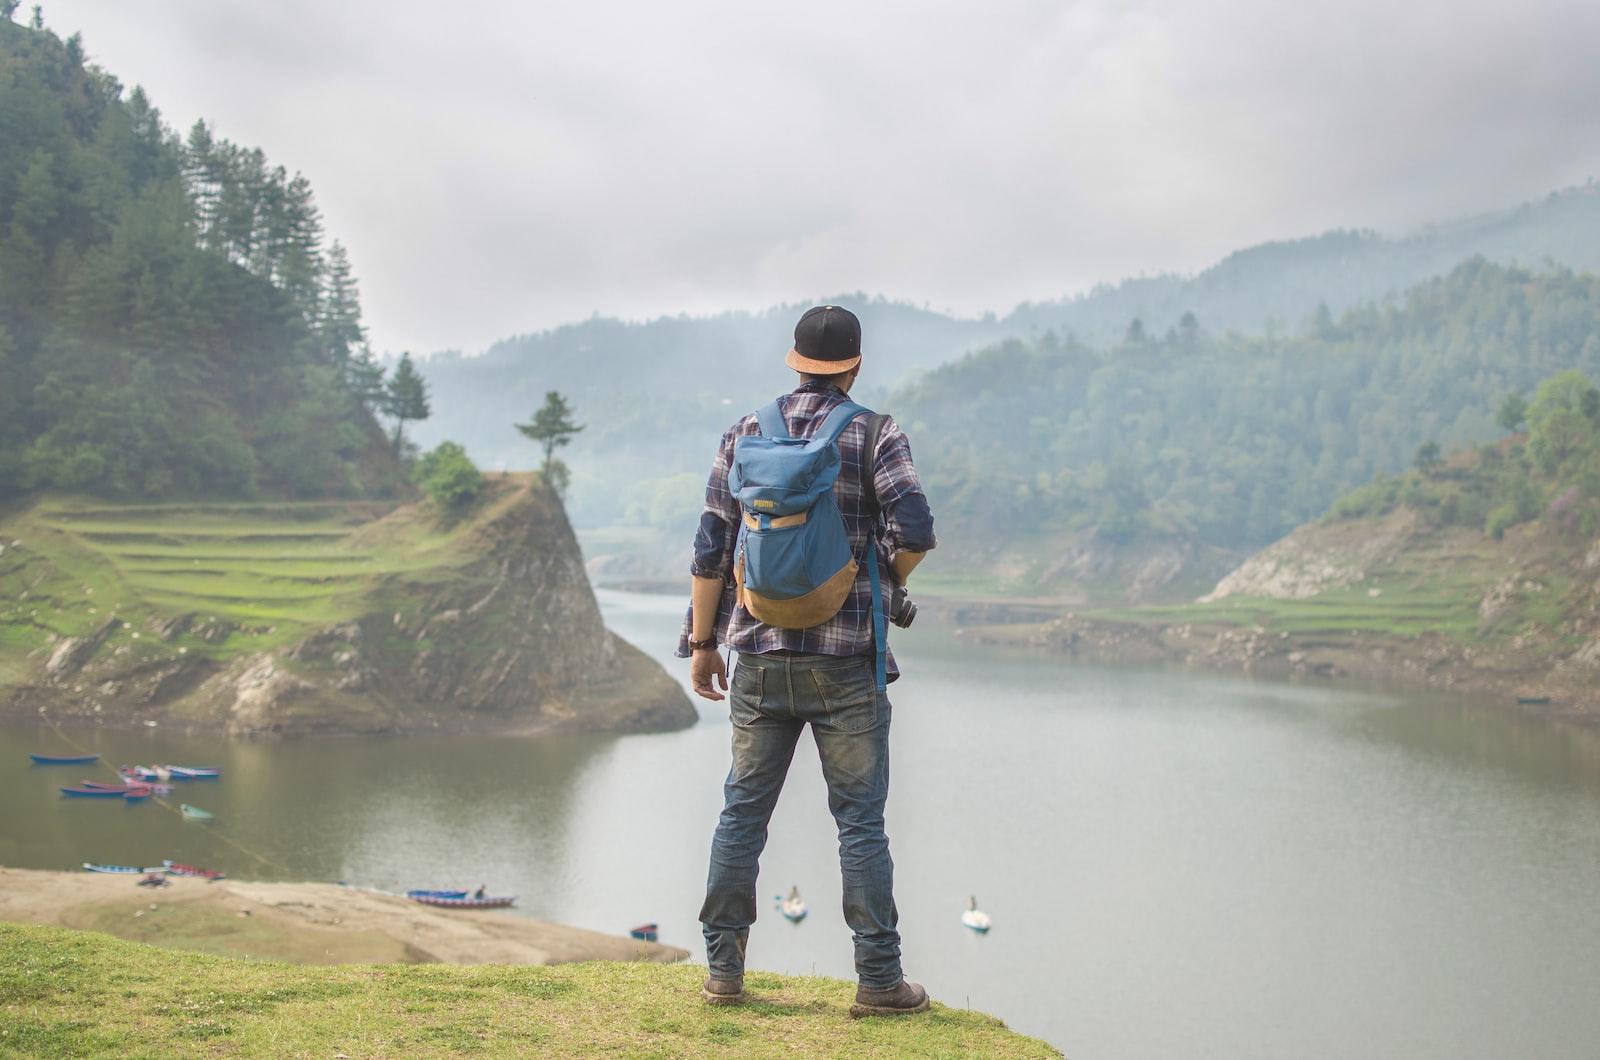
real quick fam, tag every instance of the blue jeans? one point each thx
(772, 698)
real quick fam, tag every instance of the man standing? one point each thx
(823, 675)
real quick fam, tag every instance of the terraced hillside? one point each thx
(1387, 598)
(358, 610)
(250, 566)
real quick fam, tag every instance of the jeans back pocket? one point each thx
(850, 696)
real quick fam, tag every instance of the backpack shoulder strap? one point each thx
(838, 419)
(770, 417)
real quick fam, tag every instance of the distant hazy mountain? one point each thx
(654, 396)
(1283, 282)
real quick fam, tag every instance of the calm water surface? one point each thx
(1177, 865)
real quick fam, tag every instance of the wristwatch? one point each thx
(701, 645)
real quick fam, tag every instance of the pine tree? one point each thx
(407, 398)
(552, 427)
(363, 377)
(299, 259)
(339, 326)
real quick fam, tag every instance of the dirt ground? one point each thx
(302, 923)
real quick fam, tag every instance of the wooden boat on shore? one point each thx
(119, 870)
(190, 870)
(462, 903)
(195, 813)
(62, 760)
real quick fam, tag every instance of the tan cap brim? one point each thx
(810, 367)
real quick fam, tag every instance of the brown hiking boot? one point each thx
(902, 999)
(723, 991)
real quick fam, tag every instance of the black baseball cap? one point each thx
(827, 341)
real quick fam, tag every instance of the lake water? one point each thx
(1177, 865)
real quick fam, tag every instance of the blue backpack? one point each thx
(793, 566)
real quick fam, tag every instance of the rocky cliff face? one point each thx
(495, 631)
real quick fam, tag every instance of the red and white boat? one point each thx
(462, 903)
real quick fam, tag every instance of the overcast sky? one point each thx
(496, 168)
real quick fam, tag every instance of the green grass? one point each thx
(274, 570)
(1338, 611)
(66, 993)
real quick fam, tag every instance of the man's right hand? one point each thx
(707, 673)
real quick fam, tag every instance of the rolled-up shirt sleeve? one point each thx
(907, 518)
(719, 522)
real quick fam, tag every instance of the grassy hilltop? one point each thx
(66, 993)
(315, 617)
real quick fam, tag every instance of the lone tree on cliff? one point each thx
(406, 397)
(552, 427)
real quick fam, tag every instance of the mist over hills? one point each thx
(1278, 285)
(656, 395)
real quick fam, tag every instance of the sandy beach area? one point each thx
(303, 923)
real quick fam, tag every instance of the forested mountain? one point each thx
(656, 395)
(1236, 439)
(170, 320)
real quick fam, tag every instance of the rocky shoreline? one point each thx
(1519, 676)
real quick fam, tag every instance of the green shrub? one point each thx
(1501, 519)
(446, 474)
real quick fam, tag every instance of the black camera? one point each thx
(902, 612)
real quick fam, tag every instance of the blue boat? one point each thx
(119, 870)
(63, 760)
(95, 793)
(436, 894)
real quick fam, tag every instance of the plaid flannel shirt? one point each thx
(907, 526)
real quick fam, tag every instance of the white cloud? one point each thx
(497, 168)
